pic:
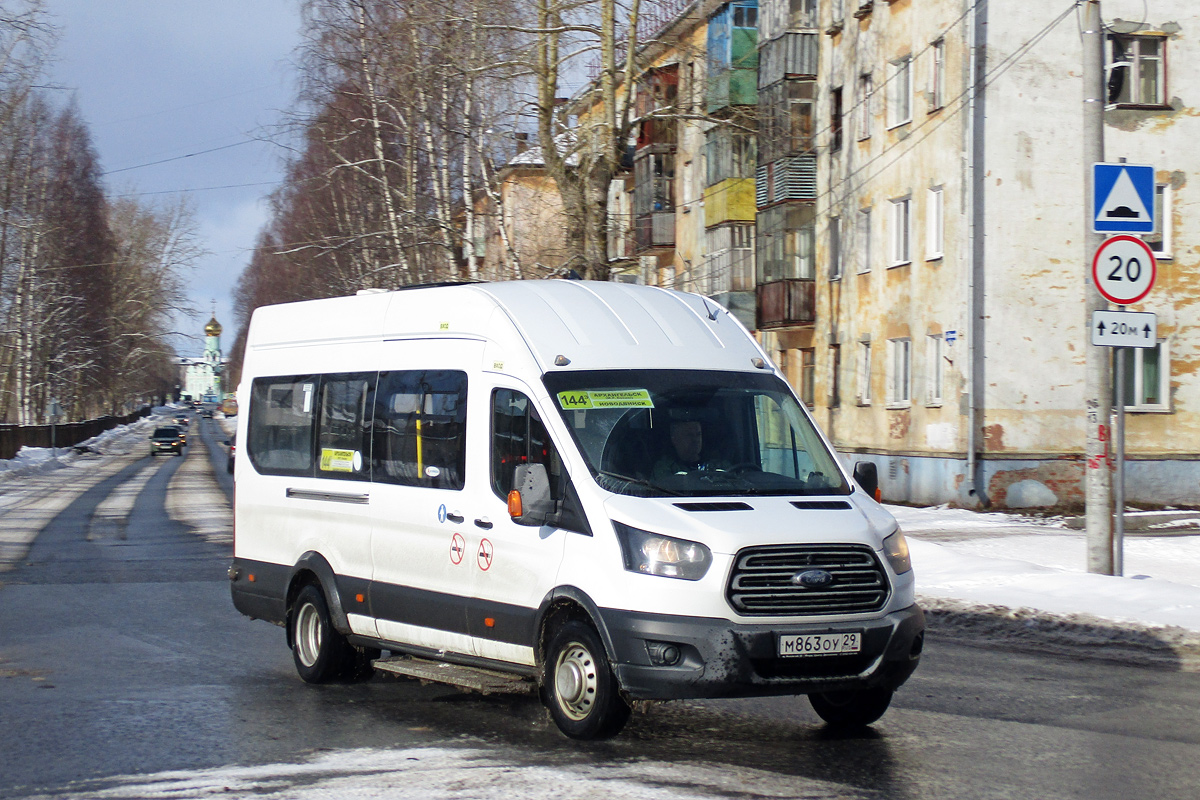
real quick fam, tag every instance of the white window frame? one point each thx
(900, 232)
(864, 372)
(900, 92)
(1133, 67)
(866, 92)
(1134, 360)
(899, 373)
(935, 348)
(937, 82)
(1162, 217)
(935, 223)
(863, 239)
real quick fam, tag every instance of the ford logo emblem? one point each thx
(813, 579)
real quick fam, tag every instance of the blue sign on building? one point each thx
(1122, 198)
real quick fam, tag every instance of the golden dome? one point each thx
(213, 328)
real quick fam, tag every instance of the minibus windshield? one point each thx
(662, 433)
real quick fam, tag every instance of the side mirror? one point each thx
(529, 502)
(866, 475)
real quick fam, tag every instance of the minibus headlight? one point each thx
(652, 554)
(896, 550)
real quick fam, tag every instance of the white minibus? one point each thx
(601, 491)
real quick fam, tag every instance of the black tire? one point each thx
(320, 652)
(852, 708)
(579, 687)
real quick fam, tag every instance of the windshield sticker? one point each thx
(340, 460)
(609, 398)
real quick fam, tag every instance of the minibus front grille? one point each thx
(762, 580)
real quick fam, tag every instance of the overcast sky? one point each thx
(160, 79)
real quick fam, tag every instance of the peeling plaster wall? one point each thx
(877, 299)
(1034, 329)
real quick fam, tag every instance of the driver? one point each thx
(687, 444)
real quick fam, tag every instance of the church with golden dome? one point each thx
(200, 378)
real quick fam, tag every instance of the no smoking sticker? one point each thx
(458, 548)
(484, 556)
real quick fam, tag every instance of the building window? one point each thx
(937, 82)
(785, 242)
(934, 222)
(835, 120)
(900, 232)
(934, 344)
(1137, 71)
(864, 240)
(899, 372)
(835, 248)
(866, 93)
(1160, 239)
(729, 154)
(808, 371)
(900, 92)
(835, 375)
(864, 373)
(1147, 377)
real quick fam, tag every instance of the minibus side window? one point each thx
(420, 429)
(280, 440)
(344, 432)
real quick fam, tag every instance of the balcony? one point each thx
(655, 231)
(786, 303)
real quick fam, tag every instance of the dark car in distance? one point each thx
(167, 439)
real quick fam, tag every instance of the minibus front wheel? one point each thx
(579, 687)
(849, 709)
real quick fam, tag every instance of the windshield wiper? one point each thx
(639, 482)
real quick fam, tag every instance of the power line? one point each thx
(180, 158)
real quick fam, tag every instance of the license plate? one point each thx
(820, 644)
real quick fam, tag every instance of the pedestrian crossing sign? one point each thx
(1122, 198)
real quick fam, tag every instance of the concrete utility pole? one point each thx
(1098, 369)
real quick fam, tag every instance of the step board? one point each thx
(484, 681)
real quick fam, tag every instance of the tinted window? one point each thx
(519, 437)
(344, 433)
(281, 425)
(420, 428)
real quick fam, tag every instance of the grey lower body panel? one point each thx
(719, 659)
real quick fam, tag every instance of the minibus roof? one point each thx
(589, 324)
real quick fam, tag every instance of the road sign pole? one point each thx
(1097, 369)
(1119, 477)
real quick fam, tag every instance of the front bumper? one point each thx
(720, 659)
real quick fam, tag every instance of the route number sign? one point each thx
(1124, 269)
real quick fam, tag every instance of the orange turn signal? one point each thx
(250, 577)
(488, 621)
(358, 597)
(514, 503)
(878, 495)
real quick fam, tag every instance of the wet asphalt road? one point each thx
(124, 655)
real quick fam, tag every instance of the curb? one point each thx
(1081, 636)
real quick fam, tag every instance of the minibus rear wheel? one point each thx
(852, 708)
(320, 652)
(579, 687)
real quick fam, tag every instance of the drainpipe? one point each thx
(977, 37)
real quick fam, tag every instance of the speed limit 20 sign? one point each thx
(1124, 269)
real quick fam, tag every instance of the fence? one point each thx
(14, 437)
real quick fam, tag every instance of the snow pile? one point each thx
(117, 441)
(432, 773)
(1010, 578)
